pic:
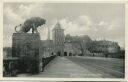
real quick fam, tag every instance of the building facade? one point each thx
(67, 45)
(47, 48)
(58, 39)
(104, 46)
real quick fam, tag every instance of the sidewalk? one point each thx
(61, 67)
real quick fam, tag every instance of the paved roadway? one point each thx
(107, 67)
(82, 67)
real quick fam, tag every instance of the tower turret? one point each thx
(58, 39)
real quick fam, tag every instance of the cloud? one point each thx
(79, 22)
(10, 17)
(109, 26)
(83, 25)
(33, 10)
(102, 23)
(77, 26)
(14, 17)
(23, 12)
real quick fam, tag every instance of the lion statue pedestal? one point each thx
(26, 47)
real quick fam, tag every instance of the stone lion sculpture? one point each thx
(32, 23)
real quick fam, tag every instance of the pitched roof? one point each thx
(57, 26)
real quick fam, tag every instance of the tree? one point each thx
(81, 44)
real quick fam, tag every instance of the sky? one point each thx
(98, 20)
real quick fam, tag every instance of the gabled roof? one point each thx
(57, 26)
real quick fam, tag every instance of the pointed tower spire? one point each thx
(48, 33)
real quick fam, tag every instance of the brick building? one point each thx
(104, 46)
(67, 45)
(58, 39)
(62, 45)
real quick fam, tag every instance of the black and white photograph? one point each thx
(64, 40)
(65, 81)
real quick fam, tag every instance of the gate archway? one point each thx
(65, 53)
(70, 54)
(59, 53)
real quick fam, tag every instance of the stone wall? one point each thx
(26, 46)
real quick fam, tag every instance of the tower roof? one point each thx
(57, 26)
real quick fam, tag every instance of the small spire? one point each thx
(48, 33)
(57, 26)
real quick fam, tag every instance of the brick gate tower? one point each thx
(58, 39)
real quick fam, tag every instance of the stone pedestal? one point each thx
(26, 46)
